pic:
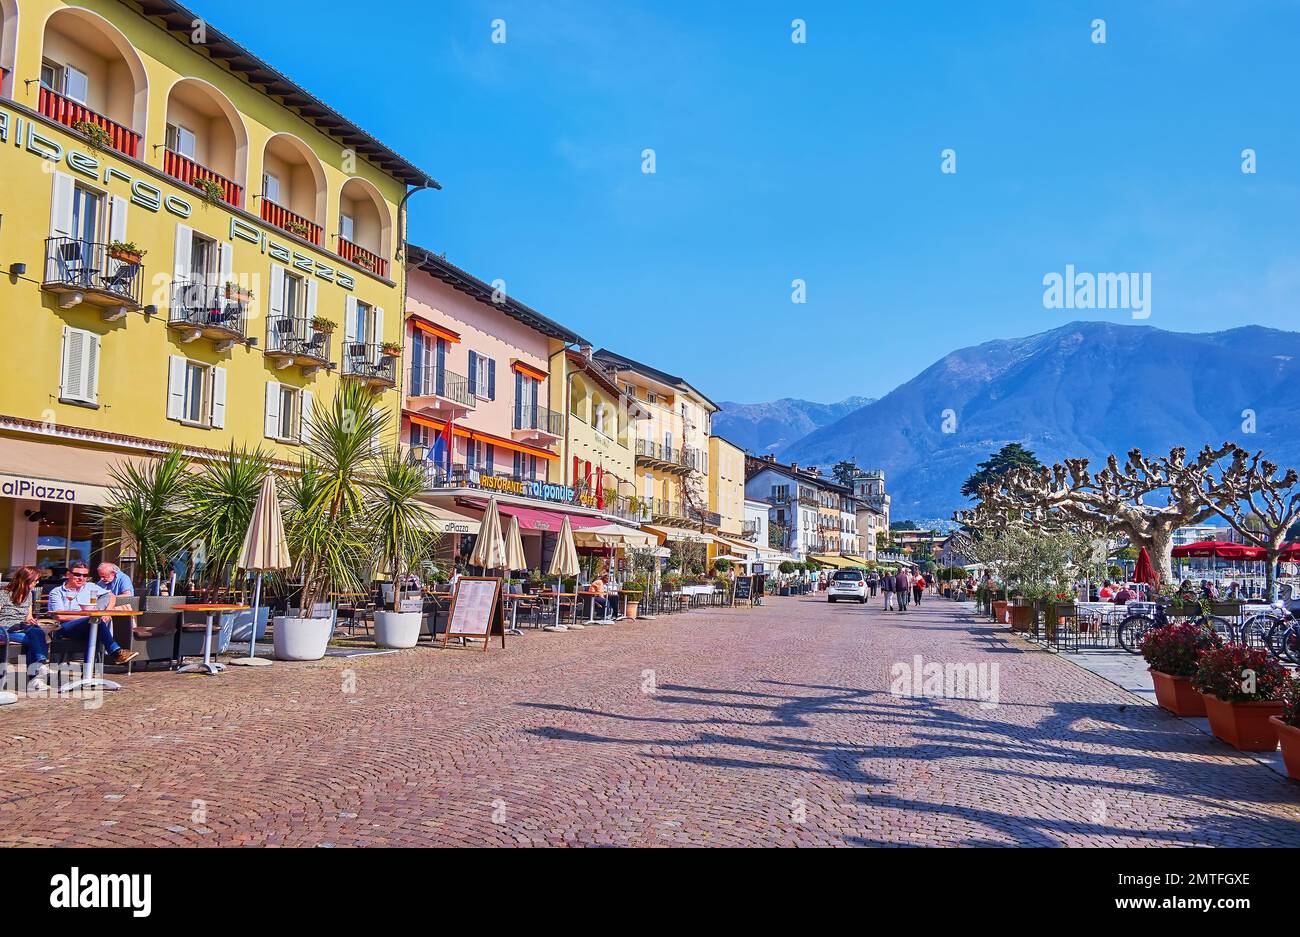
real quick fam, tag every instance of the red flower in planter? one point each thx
(1176, 648)
(1291, 703)
(1239, 674)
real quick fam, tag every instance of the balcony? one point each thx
(665, 458)
(438, 393)
(202, 311)
(750, 530)
(286, 220)
(368, 363)
(71, 114)
(193, 174)
(663, 511)
(292, 340)
(636, 510)
(355, 253)
(79, 271)
(537, 425)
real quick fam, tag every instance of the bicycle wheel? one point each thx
(1132, 630)
(1254, 633)
(1221, 626)
(1284, 641)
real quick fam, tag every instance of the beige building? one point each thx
(727, 486)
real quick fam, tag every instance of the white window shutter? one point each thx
(90, 367)
(218, 398)
(379, 326)
(70, 383)
(307, 401)
(272, 430)
(184, 242)
(176, 367)
(350, 323)
(277, 292)
(311, 299)
(61, 206)
(117, 219)
(226, 265)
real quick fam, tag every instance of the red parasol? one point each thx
(1145, 572)
(1220, 549)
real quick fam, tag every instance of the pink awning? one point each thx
(532, 519)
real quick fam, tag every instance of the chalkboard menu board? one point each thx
(744, 590)
(474, 609)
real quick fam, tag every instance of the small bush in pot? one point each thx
(1242, 687)
(1172, 653)
(1287, 724)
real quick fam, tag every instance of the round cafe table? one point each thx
(514, 600)
(88, 679)
(208, 666)
(557, 596)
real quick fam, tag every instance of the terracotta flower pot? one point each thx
(1000, 611)
(1177, 694)
(1021, 617)
(1289, 736)
(1244, 726)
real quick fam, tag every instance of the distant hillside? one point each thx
(1084, 389)
(769, 427)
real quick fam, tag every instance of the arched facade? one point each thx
(206, 139)
(293, 189)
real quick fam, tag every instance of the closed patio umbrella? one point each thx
(490, 547)
(265, 550)
(1145, 571)
(515, 563)
(564, 562)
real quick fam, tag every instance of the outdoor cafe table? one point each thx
(514, 601)
(88, 679)
(563, 595)
(208, 666)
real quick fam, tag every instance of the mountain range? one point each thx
(1084, 389)
(770, 427)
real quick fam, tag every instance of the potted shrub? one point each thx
(299, 228)
(632, 602)
(212, 191)
(672, 582)
(144, 503)
(240, 294)
(390, 350)
(406, 533)
(126, 251)
(1172, 653)
(323, 325)
(1287, 724)
(97, 137)
(1242, 687)
(325, 518)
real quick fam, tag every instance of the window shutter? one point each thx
(225, 265)
(176, 367)
(378, 337)
(492, 379)
(272, 430)
(184, 244)
(90, 367)
(61, 207)
(519, 400)
(350, 323)
(218, 398)
(311, 299)
(473, 374)
(70, 387)
(306, 401)
(117, 219)
(519, 468)
(276, 309)
(491, 458)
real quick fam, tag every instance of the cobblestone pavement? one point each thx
(771, 726)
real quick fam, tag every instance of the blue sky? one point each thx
(822, 161)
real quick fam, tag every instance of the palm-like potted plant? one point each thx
(1287, 724)
(406, 534)
(325, 518)
(144, 502)
(1242, 687)
(1172, 653)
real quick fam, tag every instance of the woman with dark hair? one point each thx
(17, 623)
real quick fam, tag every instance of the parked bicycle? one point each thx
(1135, 627)
(1276, 631)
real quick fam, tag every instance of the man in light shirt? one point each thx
(79, 593)
(114, 580)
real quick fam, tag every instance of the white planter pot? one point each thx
(397, 629)
(302, 638)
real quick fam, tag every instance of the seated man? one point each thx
(596, 589)
(74, 596)
(112, 579)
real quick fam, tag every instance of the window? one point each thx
(525, 467)
(271, 187)
(288, 413)
(482, 376)
(293, 293)
(598, 420)
(196, 393)
(87, 211)
(526, 396)
(70, 82)
(182, 140)
(79, 377)
(652, 398)
(347, 227)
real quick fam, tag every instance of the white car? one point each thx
(850, 584)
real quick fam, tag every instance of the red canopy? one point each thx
(1145, 572)
(547, 521)
(1220, 549)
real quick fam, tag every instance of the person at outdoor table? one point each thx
(1125, 595)
(73, 596)
(114, 580)
(19, 625)
(597, 589)
(1207, 590)
(1106, 592)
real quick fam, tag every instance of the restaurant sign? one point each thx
(560, 494)
(39, 489)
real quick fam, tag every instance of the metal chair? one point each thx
(120, 282)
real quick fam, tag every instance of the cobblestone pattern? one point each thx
(771, 726)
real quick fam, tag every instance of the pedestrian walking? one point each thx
(887, 586)
(873, 584)
(918, 588)
(902, 589)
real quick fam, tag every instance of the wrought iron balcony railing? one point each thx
(210, 308)
(72, 265)
(539, 418)
(369, 363)
(432, 381)
(294, 335)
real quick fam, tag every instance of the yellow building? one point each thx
(601, 427)
(727, 486)
(196, 251)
